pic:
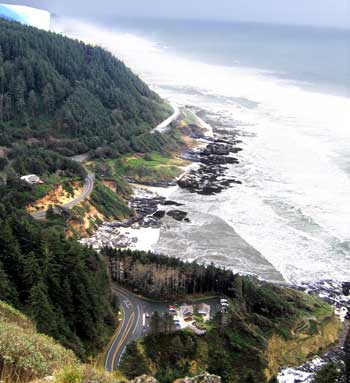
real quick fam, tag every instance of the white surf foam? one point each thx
(294, 204)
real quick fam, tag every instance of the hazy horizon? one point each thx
(324, 13)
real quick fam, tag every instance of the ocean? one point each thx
(285, 92)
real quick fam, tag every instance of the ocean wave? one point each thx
(293, 206)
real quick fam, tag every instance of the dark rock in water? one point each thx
(210, 190)
(147, 213)
(159, 214)
(218, 149)
(193, 131)
(207, 180)
(146, 206)
(191, 155)
(178, 215)
(159, 184)
(229, 182)
(172, 203)
(218, 160)
(221, 148)
(210, 178)
(150, 222)
(346, 288)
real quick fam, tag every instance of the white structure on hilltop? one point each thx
(32, 179)
(26, 15)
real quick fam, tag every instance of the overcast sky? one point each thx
(311, 12)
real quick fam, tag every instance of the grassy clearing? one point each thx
(139, 167)
(150, 167)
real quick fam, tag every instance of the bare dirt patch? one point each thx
(58, 196)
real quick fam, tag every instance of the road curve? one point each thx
(87, 190)
(164, 126)
(135, 323)
(130, 329)
(90, 178)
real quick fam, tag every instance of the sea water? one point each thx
(285, 91)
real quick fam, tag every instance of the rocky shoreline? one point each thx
(150, 208)
(210, 177)
(336, 294)
(207, 177)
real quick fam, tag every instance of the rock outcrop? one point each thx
(210, 177)
(144, 379)
(204, 378)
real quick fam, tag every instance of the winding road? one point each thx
(90, 178)
(87, 190)
(164, 126)
(135, 323)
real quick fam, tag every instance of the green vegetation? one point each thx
(109, 203)
(330, 373)
(43, 162)
(134, 364)
(60, 284)
(60, 97)
(24, 353)
(150, 167)
(239, 345)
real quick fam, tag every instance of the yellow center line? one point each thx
(120, 344)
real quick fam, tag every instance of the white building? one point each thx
(32, 179)
(186, 311)
(204, 310)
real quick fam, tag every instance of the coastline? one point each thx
(137, 237)
(142, 232)
(283, 128)
(172, 226)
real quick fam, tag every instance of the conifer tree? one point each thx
(5, 292)
(41, 309)
(155, 323)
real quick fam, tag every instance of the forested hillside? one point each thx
(70, 98)
(60, 284)
(265, 327)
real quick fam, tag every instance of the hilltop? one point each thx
(60, 97)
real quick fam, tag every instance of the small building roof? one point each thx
(203, 308)
(31, 179)
(187, 310)
(29, 176)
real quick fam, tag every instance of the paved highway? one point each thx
(90, 178)
(165, 125)
(87, 190)
(132, 327)
(135, 324)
